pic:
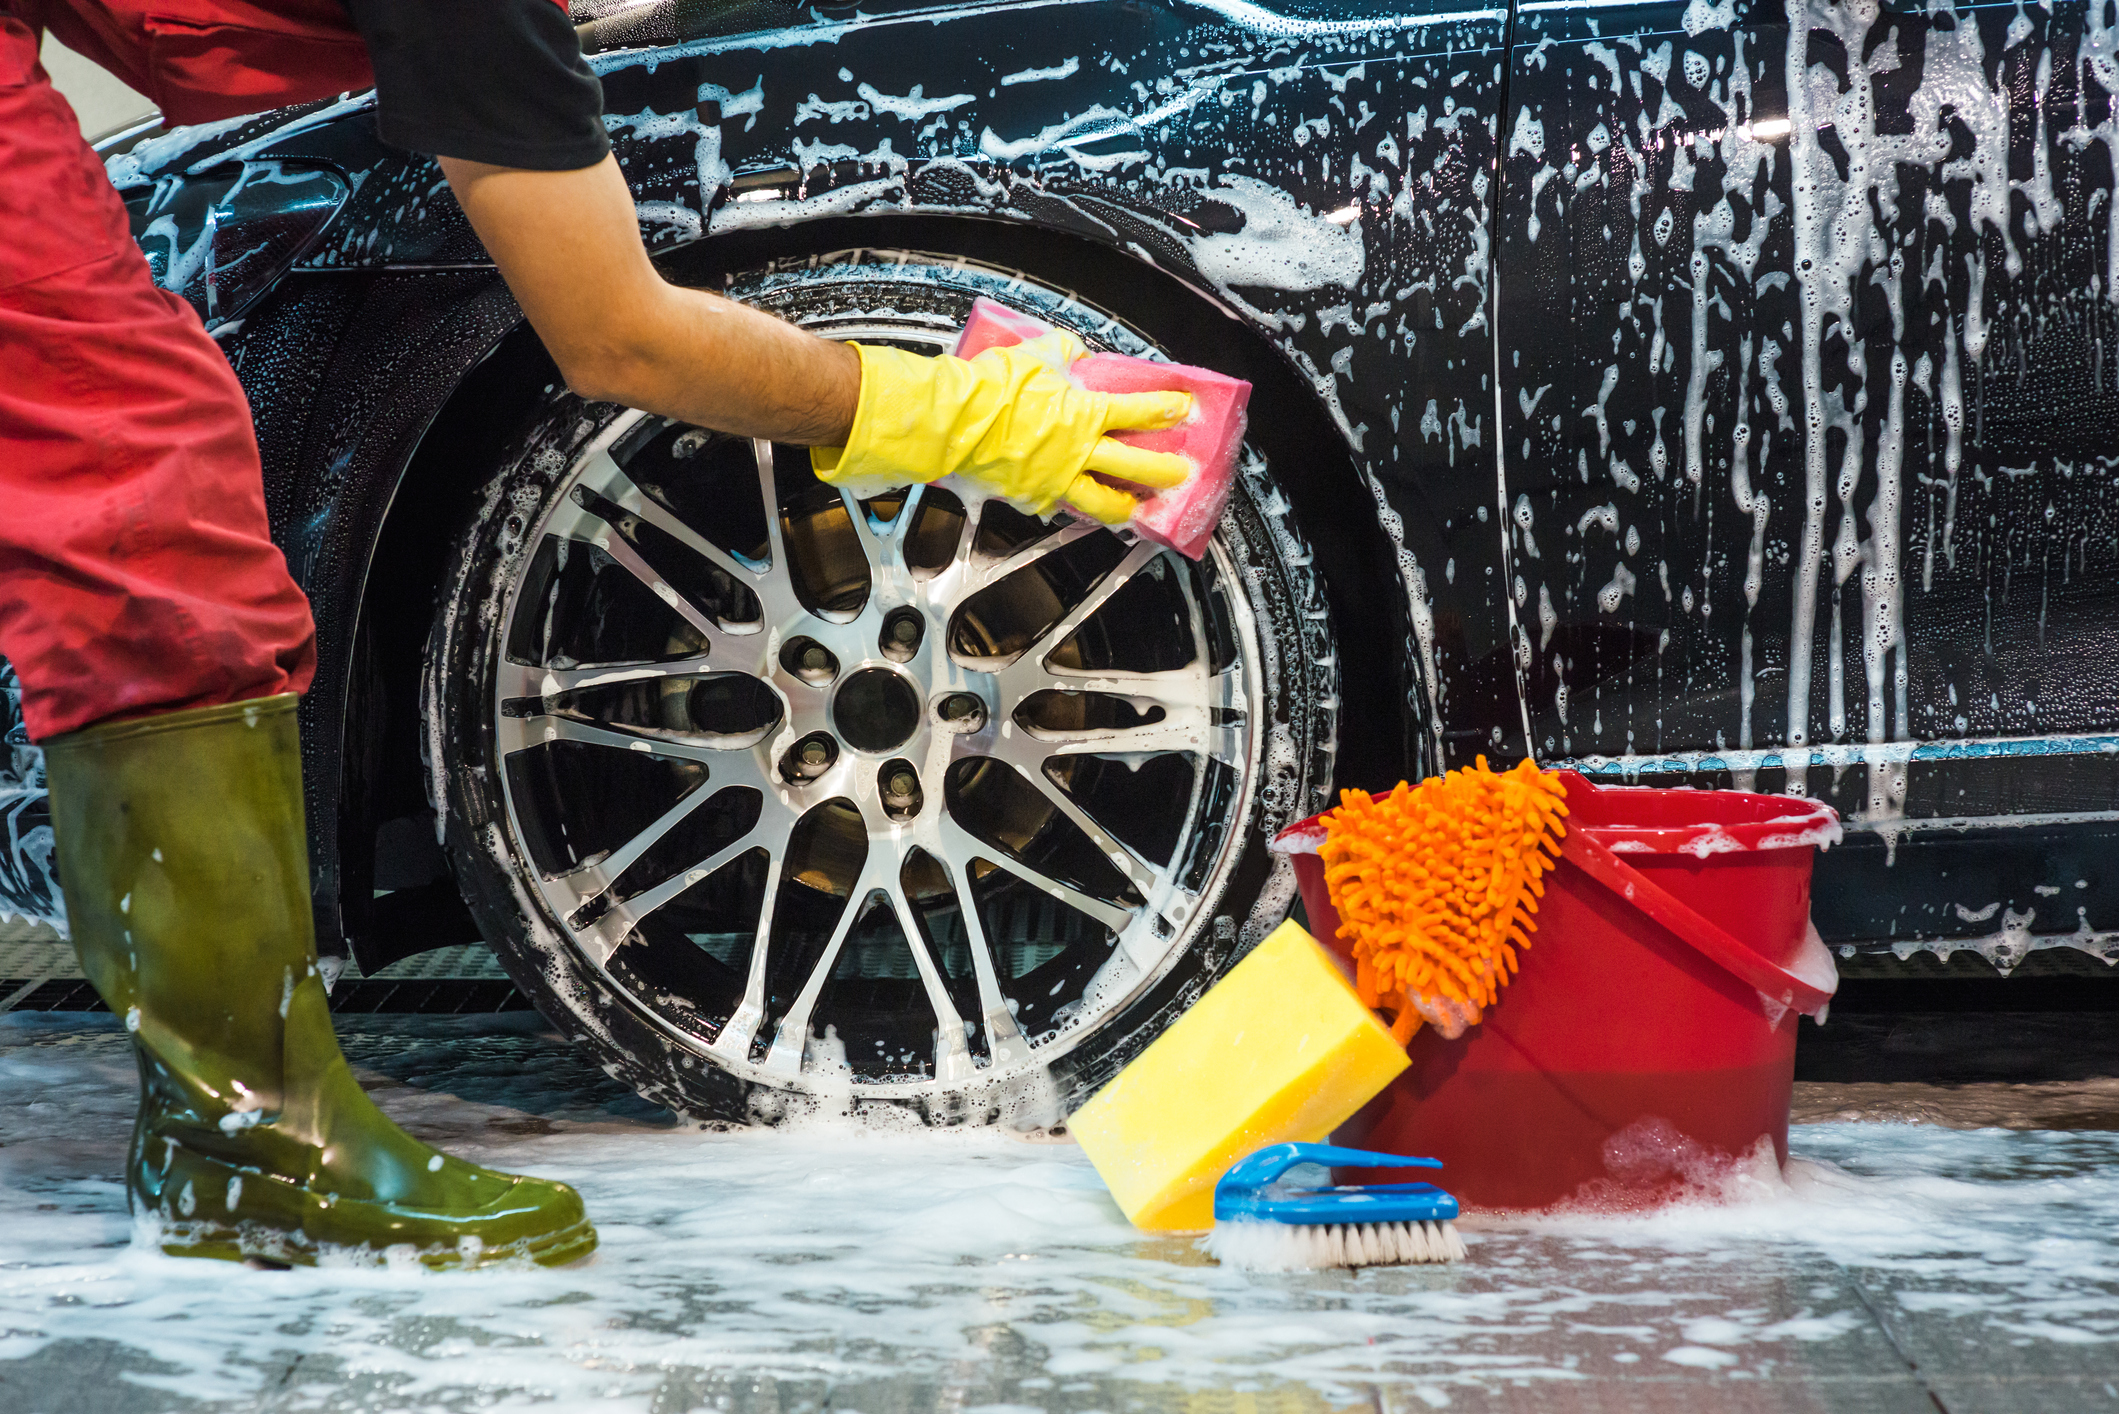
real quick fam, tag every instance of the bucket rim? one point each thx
(1302, 837)
(1784, 822)
(1800, 823)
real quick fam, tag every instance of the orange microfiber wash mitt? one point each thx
(1436, 883)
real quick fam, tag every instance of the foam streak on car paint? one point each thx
(1282, 246)
(669, 223)
(2012, 939)
(1906, 217)
(1835, 249)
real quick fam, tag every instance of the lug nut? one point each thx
(899, 785)
(810, 660)
(901, 635)
(962, 707)
(809, 759)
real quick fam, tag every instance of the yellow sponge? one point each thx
(1281, 1049)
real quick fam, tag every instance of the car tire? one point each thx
(622, 624)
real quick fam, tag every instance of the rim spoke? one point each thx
(791, 1039)
(590, 880)
(968, 572)
(769, 490)
(899, 530)
(622, 551)
(1004, 1041)
(1199, 717)
(628, 913)
(518, 680)
(1192, 735)
(884, 541)
(622, 489)
(728, 641)
(727, 769)
(968, 533)
(741, 1028)
(558, 728)
(952, 1053)
(872, 545)
(1114, 916)
(883, 545)
(1144, 874)
(995, 570)
(1099, 595)
(1180, 687)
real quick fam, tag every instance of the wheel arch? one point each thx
(350, 376)
(385, 835)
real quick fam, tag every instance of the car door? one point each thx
(1810, 404)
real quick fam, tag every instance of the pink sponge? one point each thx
(1184, 516)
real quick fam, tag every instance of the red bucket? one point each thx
(1648, 1041)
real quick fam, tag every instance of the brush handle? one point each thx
(1271, 1162)
(1245, 1191)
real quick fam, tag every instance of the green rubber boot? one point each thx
(182, 853)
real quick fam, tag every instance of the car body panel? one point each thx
(1919, 272)
(1810, 442)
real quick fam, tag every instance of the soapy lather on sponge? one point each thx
(1182, 516)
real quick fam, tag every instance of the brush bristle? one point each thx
(1292, 1247)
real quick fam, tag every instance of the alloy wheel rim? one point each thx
(877, 711)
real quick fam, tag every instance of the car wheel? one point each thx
(777, 798)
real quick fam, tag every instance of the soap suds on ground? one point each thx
(971, 1269)
(2050, 1104)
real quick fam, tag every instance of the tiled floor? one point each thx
(1902, 1267)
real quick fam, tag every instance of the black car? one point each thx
(1704, 392)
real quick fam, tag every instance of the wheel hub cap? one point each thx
(876, 710)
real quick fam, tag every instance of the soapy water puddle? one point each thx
(832, 1265)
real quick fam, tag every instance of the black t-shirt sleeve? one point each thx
(499, 81)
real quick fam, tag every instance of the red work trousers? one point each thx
(137, 572)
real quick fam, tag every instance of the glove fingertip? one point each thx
(1148, 412)
(1157, 470)
(1100, 502)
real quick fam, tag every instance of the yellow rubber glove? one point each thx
(1008, 419)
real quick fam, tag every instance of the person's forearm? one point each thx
(568, 244)
(711, 361)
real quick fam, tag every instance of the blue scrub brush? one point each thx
(1261, 1225)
